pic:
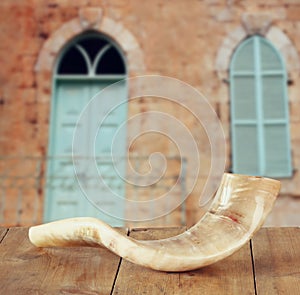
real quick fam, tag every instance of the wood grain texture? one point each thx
(26, 269)
(135, 279)
(276, 254)
(233, 275)
(3, 231)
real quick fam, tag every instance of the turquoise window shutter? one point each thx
(86, 65)
(259, 110)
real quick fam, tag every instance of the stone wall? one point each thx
(188, 40)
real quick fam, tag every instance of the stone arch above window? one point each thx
(256, 24)
(87, 20)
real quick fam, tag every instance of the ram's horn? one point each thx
(237, 212)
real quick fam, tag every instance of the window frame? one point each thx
(260, 122)
(90, 67)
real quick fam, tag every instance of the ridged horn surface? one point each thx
(239, 209)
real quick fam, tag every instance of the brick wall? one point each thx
(181, 39)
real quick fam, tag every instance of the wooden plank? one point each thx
(276, 253)
(135, 279)
(233, 275)
(26, 269)
(3, 231)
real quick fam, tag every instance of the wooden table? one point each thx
(268, 264)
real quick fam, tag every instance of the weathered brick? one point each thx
(293, 12)
(194, 45)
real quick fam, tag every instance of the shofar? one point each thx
(239, 209)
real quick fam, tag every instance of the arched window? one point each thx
(259, 110)
(86, 65)
(92, 56)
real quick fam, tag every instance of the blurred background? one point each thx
(243, 56)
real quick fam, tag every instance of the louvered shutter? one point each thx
(259, 110)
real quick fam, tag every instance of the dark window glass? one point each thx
(111, 63)
(72, 63)
(93, 45)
